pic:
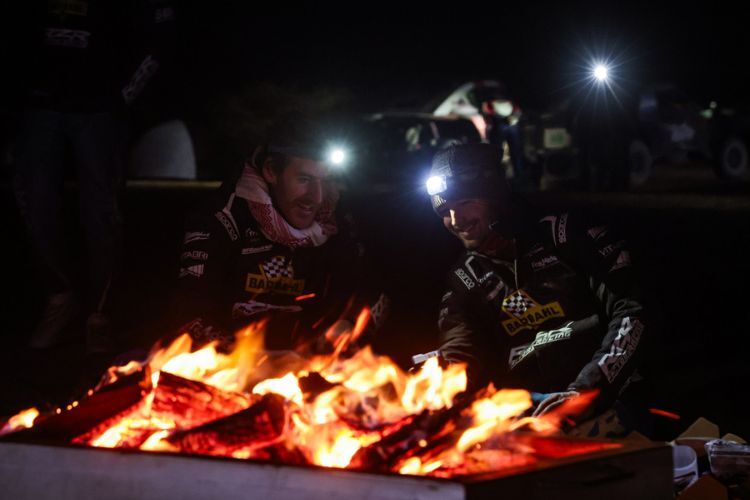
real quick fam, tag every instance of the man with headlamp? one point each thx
(545, 303)
(276, 249)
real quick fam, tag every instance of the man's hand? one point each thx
(552, 401)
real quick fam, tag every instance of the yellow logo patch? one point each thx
(258, 283)
(277, 276)
(526, 313)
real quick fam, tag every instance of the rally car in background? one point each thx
(614, 146)
(395, 149)
(467, 99)
(730, 132)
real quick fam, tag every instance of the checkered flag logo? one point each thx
(277, 267)
(517, 303)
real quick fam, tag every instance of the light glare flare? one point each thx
(601, 72)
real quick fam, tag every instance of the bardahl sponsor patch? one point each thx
(194, 255)
(195, 236)
(276, 275)
(467, 281)
(527, 313)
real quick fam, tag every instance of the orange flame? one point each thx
(361, 402)
(22, 420)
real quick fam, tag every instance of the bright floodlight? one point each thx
(436, 185)
(601, 72)
(337, 156)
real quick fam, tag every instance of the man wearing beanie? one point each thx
(547, 303)
(274, 248)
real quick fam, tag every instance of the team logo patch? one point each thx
(58, 37)
(622, 348)
(194, 255)
(527, 313)
(228, 225)
(195, 236)
(517, 303)
(252, 250)
(518, 354)
(276, 275)
(611, 248)
(597, 232)
(468, 282)
(623, 260)
(196, 271)
(252, 307)
(562, 229)
(544, 262)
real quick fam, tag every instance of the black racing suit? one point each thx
(232, 275)
(564, 315)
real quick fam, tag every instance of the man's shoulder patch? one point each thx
(225, 219)
(464, 277)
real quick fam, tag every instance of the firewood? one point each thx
(254, 428)
(73, 421)
(190, 403)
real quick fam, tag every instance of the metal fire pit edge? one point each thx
(40, 471)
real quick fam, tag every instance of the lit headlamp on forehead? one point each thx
(336, 157)
(436, 184)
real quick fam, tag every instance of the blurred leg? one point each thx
(39, 191)
(99, 140)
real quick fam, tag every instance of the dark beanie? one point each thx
(470, 171)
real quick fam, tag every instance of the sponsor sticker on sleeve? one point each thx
(467, 281)
(192, 236)
(228, 225)
(622, 348)
(194, 271)
(194, 255)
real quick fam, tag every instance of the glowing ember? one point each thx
(286, 386)
(22, 420)
(360, 411)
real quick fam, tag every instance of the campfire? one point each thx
(358, 411)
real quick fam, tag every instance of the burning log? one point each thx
(189, 403)
(246, 434)
(175, 402)
(411, 435)
(78, 418)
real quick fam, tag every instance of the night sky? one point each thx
(395, 57)
(399, 56)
